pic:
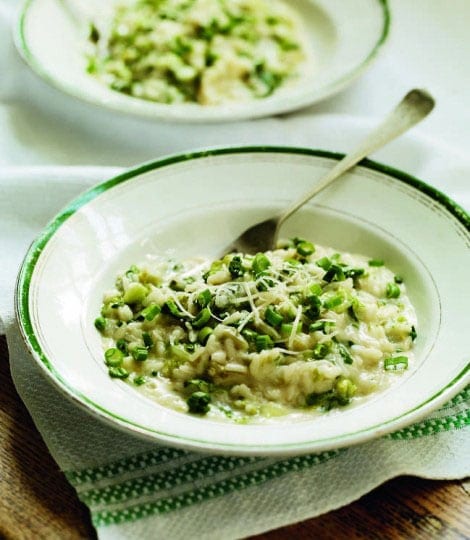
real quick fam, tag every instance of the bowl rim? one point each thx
(153, 110)
(24, 319)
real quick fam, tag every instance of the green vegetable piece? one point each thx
(216, 266)
(249, 335)
(100, 323)
(202, 318)
(121, 344)
(236, 267)
(118, 372)
(313, 311)
(135, 293)
(113, 357)
(398, 279)
(345, 354)
(305, 248)
(334, 273)
(263, 341)
(171, 307)
(392, 291)
(93, 34)
(133, 270)
(272, 317)
(293, 262)
(147, 339)
(353, 272)
(333, 301)
(315, 289)
(150, 312)
(324, 263)
(396, 363)
(203, 299)
(204, 334)
(196, 385)
(264, 282)
(375, 262)
(198, 403)
(286, 329)
(139, 381)
(320, 350)
(260, 263)
(322, 326)
(345, 390)
(413, 333)
(139, 353)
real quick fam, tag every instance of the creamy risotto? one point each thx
(204, 51)
(300, 329)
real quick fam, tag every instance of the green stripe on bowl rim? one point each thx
(335, 86)
(26, 327)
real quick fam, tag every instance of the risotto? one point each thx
(201, 51)
(300, 329)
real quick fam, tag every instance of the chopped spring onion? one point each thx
(273, 317)
(135, 293)
(334, 273)
(396, 363)
(171, 307)
(198, 403)
(121, 344)
(322, 326)
(196, 385)
(118, 372)
(286, 329)
(203, 298)
(343, 351)
(260, 264)
(139, 353)
(202, 318)
(392, 291)
(113, 357)
(376, 262)
(263, 341)
(150, 312)
(324, 263)
(320, 350)
(398, 279)
(305, 248)
(147, 339)
(236, 267)
(333, 301)
(100, 323)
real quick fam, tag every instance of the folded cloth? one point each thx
(136, 489)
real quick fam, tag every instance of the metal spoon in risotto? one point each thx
(415, 106)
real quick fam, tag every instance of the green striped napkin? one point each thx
(135, 489)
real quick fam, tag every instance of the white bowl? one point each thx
(195, 204)
(345, 37)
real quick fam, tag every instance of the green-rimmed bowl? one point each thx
(344, 36)
(194, 204)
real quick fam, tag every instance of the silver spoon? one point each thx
(415, 106)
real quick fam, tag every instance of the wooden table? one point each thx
(36, 502)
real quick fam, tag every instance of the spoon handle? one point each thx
(415, 106)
